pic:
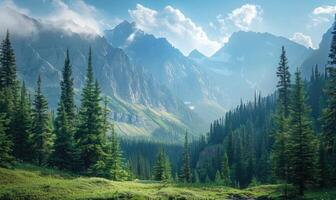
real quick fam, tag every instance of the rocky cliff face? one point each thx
(160, 59)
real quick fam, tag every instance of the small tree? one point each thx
(225, 171)
(162, 170)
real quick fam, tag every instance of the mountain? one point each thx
(168, 66)
(248, 63)
(318, 56)
(160, 59)
(140, 106)
(196, 56)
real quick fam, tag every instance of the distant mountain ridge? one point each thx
(244, 65)
(140, 104)
(248, 63)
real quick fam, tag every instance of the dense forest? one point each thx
(287, 137)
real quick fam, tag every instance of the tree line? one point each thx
(288, 137)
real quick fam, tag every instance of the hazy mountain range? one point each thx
(154, 89)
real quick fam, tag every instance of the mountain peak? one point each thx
(126, 25)
(119, 34)
(195, 54)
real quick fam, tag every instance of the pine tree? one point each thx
(283, 83)
(6, 144)
(21, 127)
(64, 152)
(7, 67)
(185, 173)
(302, 145)
(89, 135)
(225, 170)
(64, 155)
(162, 170)
(329, 113)
(280, 147)
(114, 157)
(67, 89)
(41, 127)
(218, 178)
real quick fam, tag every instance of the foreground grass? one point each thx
(29, 182)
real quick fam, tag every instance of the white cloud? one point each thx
(324, 10)
(322, 15)
(12, 20)
(302, 39)
(172, 24)
(77, 17)
(73, 17)
(244, 16)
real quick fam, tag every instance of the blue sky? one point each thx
(189, 24)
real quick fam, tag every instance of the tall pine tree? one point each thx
(89, 135)
(302, 144)
(185, 175)
(329, 113)
(280, 148)
(67, 89)
(41, 128)
(64, 153)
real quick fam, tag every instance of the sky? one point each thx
(205, 25)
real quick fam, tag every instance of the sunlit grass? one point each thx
(31, 182)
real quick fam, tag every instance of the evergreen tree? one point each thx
(89, 135)
(280, 147)
(225, 171)
(67, 89)
(283, 83)
(185, 173)
(64, 155)
(21, 127)
(6, 158)
(41, 127)
(7, 67)
(218, 178)
(64, 152)
(114, 157)
(329, 113)
(302, 146)
(162, 170)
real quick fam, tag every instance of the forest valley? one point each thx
(286, 138)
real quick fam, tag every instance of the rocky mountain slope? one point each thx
(140, 105)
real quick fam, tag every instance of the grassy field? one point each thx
(30, 182)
